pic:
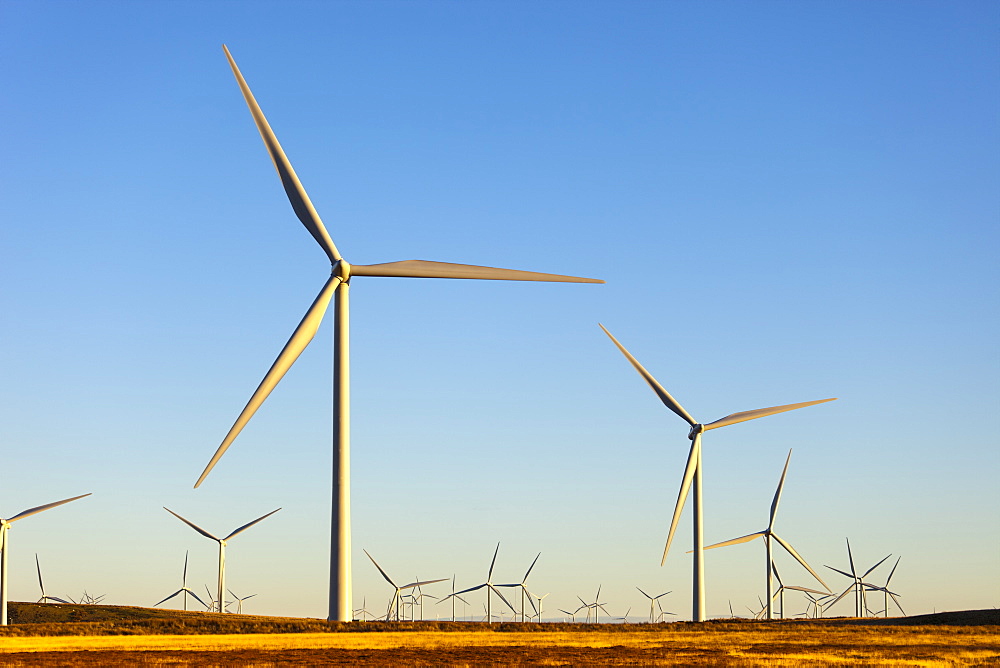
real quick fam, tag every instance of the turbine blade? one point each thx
(806, 589)
(645, 594)
(689, 471)
(886, 580)
(466, 591)
(191, 524)
(384, 574)
(37, 509)
(664, 396)
(777, 493)
(896, 601)
(846, 575)
(420, 584)
(493, 563)
(250, 524)
(300, 338)
(179, 591)
(734, 541)
(293, 187)
(196, 597)
(842, 595)
(497, 592)
(791, 551)
(525, 579)
(428, 269)
(38, 567)
(761, 412)
(184, 580)
(875, 566)
(774, 569)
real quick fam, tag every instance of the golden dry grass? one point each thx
(738, 643)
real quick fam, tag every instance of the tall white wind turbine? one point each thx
(222, 548)
(767, 534)
(858, 584)
(336, 288)
(692, 471)
(5, 547)
(524, 587)
(652, 600)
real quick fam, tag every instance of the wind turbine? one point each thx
(239, 601)
(222, 547)
(396, 597)
(652, 600)
(336, 288)
(780, 594)
(596, 606)
(571, 614)
(5, 547)
(524, 588)
(767, 534)
(692, 471)
(858, 583)
(184, 588)
(538, 614)
(885, 591)
(44, 598)
(490, 587)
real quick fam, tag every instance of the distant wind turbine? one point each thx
(886, 593)
(239, 601)
(44, 598)
(184, 588)
(858, 584)
(692, 471)
(490, 587)
(596, 606)
(524, 589)
(397, 598)
(652, 600)
(767, 534)
(780, 594)
(5, 547)
(336, 288)
(222, 547)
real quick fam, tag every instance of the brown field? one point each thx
(58, 635)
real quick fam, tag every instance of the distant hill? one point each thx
(52, 619)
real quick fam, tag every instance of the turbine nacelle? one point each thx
(341, 269)
(695, 430)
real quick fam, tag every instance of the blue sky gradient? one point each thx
(789, 201)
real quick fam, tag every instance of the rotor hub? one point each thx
(342, 270)
(695, 430)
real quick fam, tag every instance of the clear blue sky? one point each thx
(789, 201)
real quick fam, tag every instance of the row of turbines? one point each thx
(336, 289)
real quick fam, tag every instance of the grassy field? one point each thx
(120, 636)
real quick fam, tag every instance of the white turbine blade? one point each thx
(806, 589)
(420, 584)
(184, 579)
(850, 557)
(59, 600)
(176, 593)
(761, 412)
(191, 524)
(466, 591)
(896, 601)
(777, 493)
(734, 541)
(300, 338)
(689, 471)
(886, 580)
(493, 563)
(384, 574)
(645, 594)
(37, 509)
(875, 566)
(250, 524)
(38, 567)
(774, 569)
(428, 269)
(846, 575)
(293, 188)
(528, 572)
(664, 396)
(842, 595)
(791, 551)
(497, 592)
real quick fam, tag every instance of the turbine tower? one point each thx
(336, 288)
(5, 547)
(222, 548)
(692, 471)
(767, 534)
